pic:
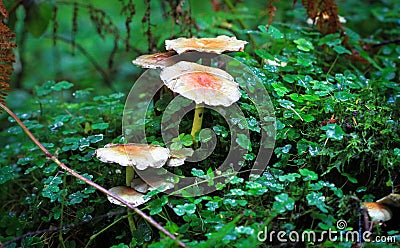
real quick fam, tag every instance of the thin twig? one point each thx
(90, 182)
(387, 42)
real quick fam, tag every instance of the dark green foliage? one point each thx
(336, 101)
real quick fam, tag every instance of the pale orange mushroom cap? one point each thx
(153, 61)
(202, 84)
(128, 194)
(378, 212)
(216, 45)
(141, 156)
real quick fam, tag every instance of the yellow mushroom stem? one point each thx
(197, 120)
(130, 174)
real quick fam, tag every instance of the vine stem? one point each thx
(90, 182)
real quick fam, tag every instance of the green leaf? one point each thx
(234, 202)
(38, 15)
(318, 200)
(205, 135)
(344, 96)
(333, 131)
(341, 50)
(182, 140)
(212, 205)
(243, 141)
(350, 178)
(264, 54)
(95, 138)
(307, 117)
(283, 202)
(100, 126)
(308, 174)
(253, 124)
(157, 204)
(188, 208)
(220, 131)
(235, 180)
(63, 85)
(280, 89)
(330, 40)
(7, 173)
(285, 103)
(304, 45)
(295, 97)
(121, 245)
(272, 31)
(197, 172)
(77, 197)
(304, 144)
(289, 177)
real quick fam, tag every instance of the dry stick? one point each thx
(77, 175)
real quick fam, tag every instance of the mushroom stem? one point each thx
(130, 174)
(197, 120)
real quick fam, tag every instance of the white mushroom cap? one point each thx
(217, 45)
(141, 186)
(128, 194)
(202, 84)
(153, 61)
(141, 156)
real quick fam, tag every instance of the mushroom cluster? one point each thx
(203, 84)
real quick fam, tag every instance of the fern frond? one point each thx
(6, 54)
(3, 10)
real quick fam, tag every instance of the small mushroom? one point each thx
(128, 194)
(216, 45)
(202, 84)
(382, 210)
(141, 156)
(378, 212)
(141, 186)
(153, 61)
